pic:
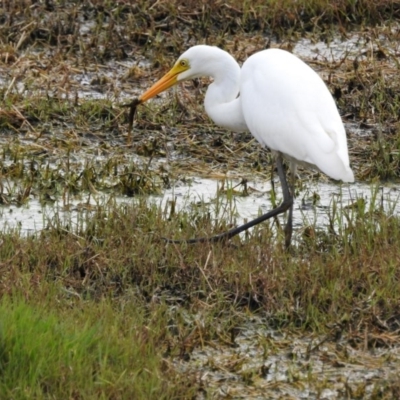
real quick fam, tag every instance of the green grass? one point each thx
(88, 351)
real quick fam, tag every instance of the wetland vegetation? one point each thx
(99, 306)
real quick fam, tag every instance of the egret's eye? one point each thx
(183, 63)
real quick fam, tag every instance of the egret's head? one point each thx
(171, 78)
(189, 65)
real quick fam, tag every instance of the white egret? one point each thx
(281, 101)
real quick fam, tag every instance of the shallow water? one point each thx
(312, 206)
(335, 50)
(354, 45)
(34, 216)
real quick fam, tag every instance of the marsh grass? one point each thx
(102, 307)
(101, 43)
(87, 350)
(119, 248)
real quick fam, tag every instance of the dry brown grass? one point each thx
(58, 140)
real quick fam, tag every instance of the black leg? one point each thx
(289, 227)
(286, 204)
(289, 224)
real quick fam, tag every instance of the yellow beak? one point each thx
(168, 80)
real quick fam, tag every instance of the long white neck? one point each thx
(223, 106)
(222, 103)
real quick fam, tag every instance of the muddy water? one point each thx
(313, 205)
(356, 45)
(336, 50)
(34, 216)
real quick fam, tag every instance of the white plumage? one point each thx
(278, 98)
